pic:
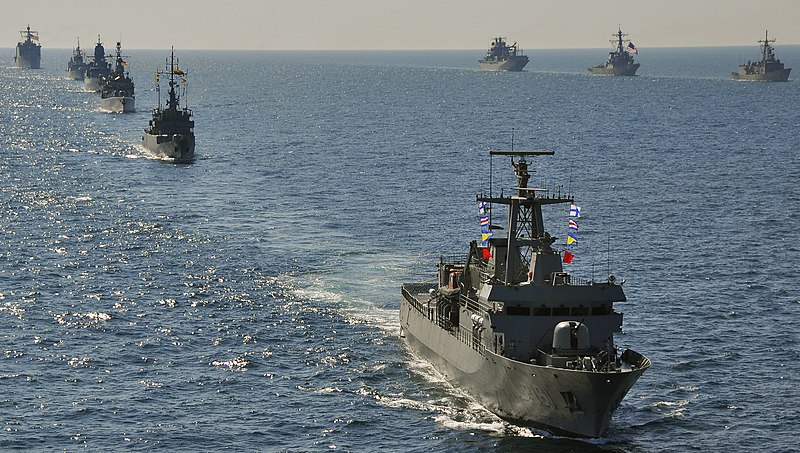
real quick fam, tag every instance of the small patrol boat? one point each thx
(98, 68)
(29, 51)
(509, 326)
(77, 66)
(767, 69)
(620, 60)
(170, 134)
(502, 57)
(117, 92)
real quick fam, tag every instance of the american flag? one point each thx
(632, 49)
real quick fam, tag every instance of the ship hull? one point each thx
(512, 64)
(781, 75)
(28, 58)
(520, 392)
(76, 74)
(92, 83)
(118, 104)
(627, 70)
(176, 147)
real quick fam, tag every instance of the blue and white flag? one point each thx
(574, 210)
(482, 207)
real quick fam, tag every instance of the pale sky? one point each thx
(397, 24)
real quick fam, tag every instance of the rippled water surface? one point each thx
(248, 301)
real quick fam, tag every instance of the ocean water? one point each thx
(248, 301)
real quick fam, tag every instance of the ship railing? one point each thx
(475, 305)
(469, 337)
(453, 259)
(412, 291)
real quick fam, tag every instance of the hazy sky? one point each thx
(398, 24)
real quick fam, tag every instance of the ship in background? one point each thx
(29, 51)
(98, 68)
(170, 134)
(117, 88)
(767, 69)
(77, 65)
(502, 57)
(620, 60)
(507, 324)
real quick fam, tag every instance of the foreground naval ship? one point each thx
(502, 57)
(29, 51)
(620, 60)
(117, 89)
(768, 69)
(509, 326)
(77, 66)
(98, 68)
(170, 134)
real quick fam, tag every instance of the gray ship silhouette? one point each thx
(29, 51)
(170, 134)
(98, 68)
(77, 65)
(509, 326)
(117, 88)
(502, 57)
(767, 69)
(620, 60)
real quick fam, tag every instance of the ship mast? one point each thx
(171, 69)
(525, 221)
(766, 48)
(617, 39)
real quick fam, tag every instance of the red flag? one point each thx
(568, 257)
(486, 253)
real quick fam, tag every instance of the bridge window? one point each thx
(541, 311)
(518, 311)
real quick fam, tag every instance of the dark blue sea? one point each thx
(248, 301)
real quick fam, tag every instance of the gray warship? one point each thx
(29, 51)
(117, 88)
(77, 66)
(170, 134)
(620, 60)
(509, 326)
(767, 69)
(502, 57)
(98, 68)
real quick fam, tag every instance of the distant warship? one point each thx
(768, 69)
(77, 66)
(29, 53)
(509, 326)
(620, 60)
(170, 134)
(117, 90)
(502, 57)
(98, 68)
